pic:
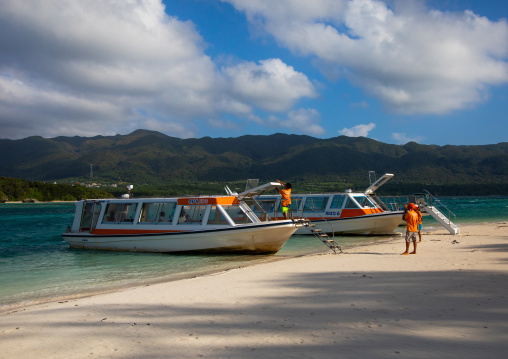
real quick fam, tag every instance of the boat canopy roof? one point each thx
(256, 191)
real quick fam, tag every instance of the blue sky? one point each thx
(433, 72)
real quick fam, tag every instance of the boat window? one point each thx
(337, 202)
(157, 212)
(111, 214)
(120, 212)
(191, 214)
(149, 212)
(350, 204)
(316, 203)
(216, 217)
(167, 211)
(364, 201)
(236, 214)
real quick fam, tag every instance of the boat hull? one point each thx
(262, 238)
(373, 224)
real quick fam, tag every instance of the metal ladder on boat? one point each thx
(431, 208)
(318, 233)
(441, 218)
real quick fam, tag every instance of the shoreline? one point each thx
(37, 202)
(376, 240)
(446, 301)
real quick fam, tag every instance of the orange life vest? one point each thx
(286, 197)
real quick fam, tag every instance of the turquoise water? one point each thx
(37, 265)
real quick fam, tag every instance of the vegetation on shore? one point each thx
(14, 189)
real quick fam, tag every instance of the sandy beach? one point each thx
(450, 300)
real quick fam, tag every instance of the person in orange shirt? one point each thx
(286, 197)
(411, 218)
(420, 226)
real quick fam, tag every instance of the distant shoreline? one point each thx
(21, 202)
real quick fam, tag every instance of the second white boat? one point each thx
(341, 213)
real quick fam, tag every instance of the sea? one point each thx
(36, 265)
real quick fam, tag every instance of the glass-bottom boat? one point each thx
(342, 213)
(204, 224)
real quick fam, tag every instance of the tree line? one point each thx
(15, 189)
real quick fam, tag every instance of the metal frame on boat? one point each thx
(205, 224)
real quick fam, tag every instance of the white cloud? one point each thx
(90, 67)
(358, 130)
(413, 59)
(272, 85)
(304, 121)
(402, 138)
(105, 67)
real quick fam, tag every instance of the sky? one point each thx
(432, 72)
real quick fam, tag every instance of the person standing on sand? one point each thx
(286, 197)
(411, 218)
(420, 225)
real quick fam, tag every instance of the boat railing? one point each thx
(397, 203)
(379, 202)
(394, 203)
(292, 211)
(435, 202)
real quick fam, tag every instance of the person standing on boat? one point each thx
(286, 198)
(420, 225)
(411, 218)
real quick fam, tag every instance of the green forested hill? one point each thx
(147, 157)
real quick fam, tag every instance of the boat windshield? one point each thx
(350, 204)
(91, 211)
(236, 214)
(86, 218)
(233, 211)
(216, 216)
(364, 202)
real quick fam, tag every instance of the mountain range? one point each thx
(148, 157)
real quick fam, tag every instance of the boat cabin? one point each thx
(154, 213)
(338, 205)
(102, 216)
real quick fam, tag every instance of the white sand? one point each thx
(448, 301)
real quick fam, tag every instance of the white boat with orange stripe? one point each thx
(204, 224)
(339, 213)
